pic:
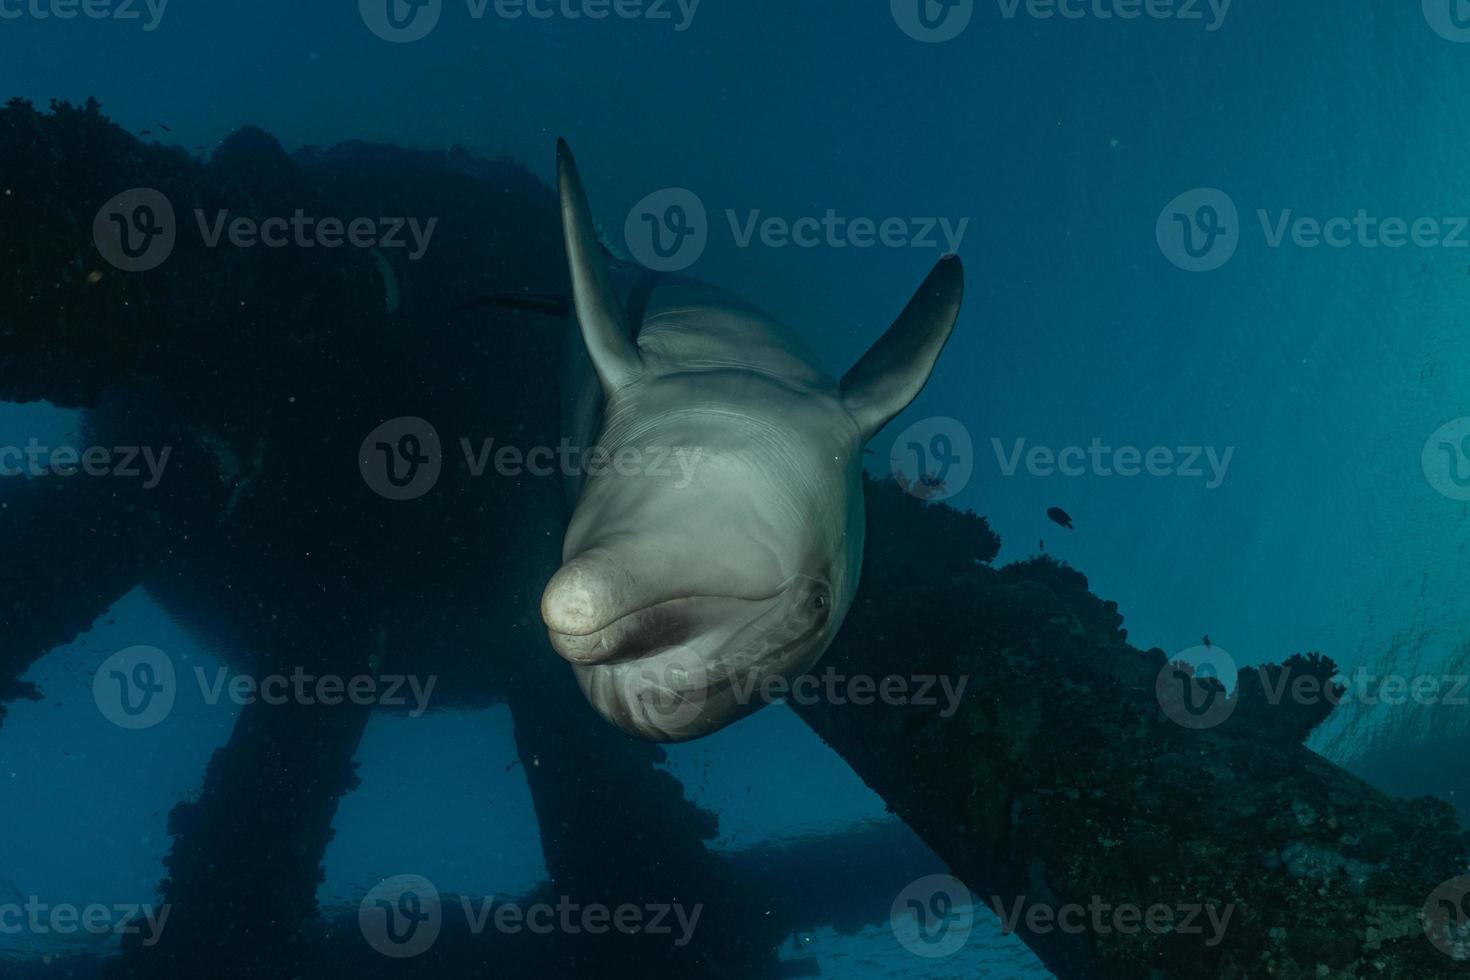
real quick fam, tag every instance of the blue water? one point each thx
(1059, 142)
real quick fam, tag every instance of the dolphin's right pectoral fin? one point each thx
(600, 315)
(895, 369)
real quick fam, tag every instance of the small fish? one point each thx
(146, 132)
(1207, 640)
(1042, 546)
(1060, 516)
(164, 128)
(557, 306)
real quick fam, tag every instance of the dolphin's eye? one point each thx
(820, 600)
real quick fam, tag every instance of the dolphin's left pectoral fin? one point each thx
(895, 369)
(614, 355)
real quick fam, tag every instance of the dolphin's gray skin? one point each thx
(690, 580)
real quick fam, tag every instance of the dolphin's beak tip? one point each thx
(571, 601)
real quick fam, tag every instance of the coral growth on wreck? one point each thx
(1061, 780)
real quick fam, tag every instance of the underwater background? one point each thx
(1304, 392)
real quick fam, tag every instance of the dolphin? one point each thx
(686, 590)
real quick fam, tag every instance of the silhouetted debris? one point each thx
(263, 369)
(1059, 778)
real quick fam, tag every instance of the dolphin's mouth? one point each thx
(683, 667)
(675, 691)
(647, 631)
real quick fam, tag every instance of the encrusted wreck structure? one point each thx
(1057, 781)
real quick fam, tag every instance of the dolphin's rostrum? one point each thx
(677, 598)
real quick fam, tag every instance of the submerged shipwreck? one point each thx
(1056, 780)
